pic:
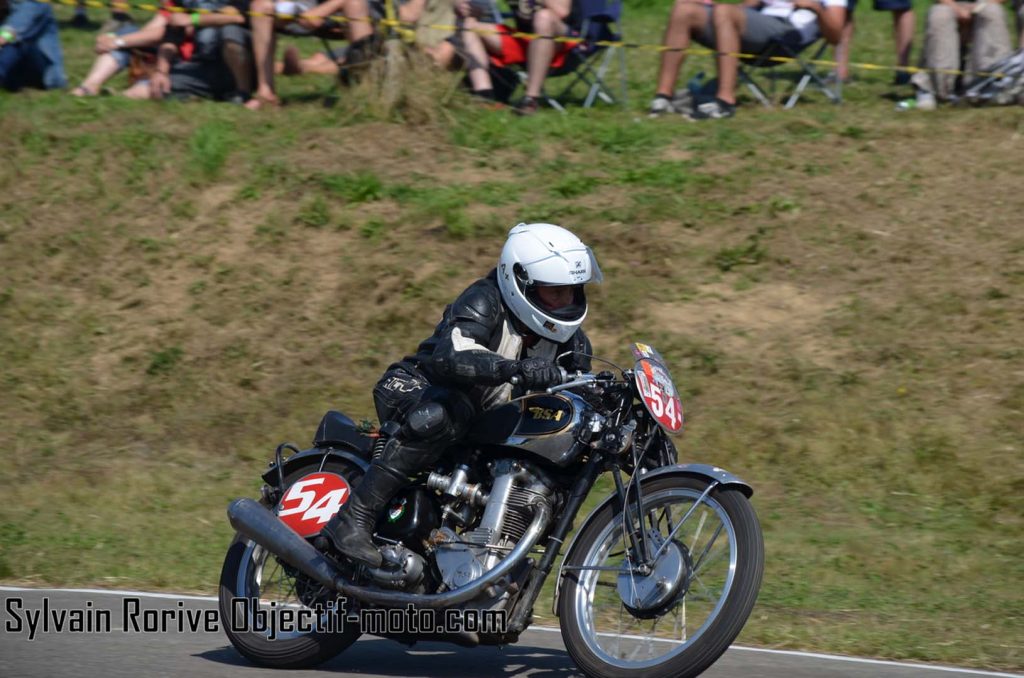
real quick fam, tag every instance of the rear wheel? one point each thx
(258, 592)
(677, 620)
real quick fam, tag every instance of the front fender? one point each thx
(701, 471)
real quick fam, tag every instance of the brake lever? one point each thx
(568, 385)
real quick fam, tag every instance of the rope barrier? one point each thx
(406, 26)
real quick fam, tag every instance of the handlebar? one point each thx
(515, 379)
(569, 380)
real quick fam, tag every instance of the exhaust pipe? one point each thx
(260, 524)
(257, 522)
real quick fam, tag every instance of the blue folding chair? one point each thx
(590, 61)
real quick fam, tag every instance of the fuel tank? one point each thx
(542, 425)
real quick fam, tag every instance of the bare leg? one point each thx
(356, 11)
(104, 68)
(903, 34)
(358, 14)
(730, 22)
(139, 90)
(542, 51)
(263, 47)
(319, 63)
(477, 63)
(843, 49)
(238, 59)
(687, 19)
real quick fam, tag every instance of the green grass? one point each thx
(184, 286)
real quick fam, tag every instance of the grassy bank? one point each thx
(838, 291)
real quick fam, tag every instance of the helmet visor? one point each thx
(571, 309)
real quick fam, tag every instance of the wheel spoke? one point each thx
(702, 560)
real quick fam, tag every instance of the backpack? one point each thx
(1005, 88)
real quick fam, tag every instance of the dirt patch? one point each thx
(756, 322)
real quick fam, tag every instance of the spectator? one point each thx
(213, 40)
(982, 23)
(309, 18)
(30, 53)
(445, 49)
(751, 28)
(902, 32)
(547, 18)
(463, 49)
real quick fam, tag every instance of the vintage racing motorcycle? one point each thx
(658, 580)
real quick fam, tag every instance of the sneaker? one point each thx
(661, 105)
(926, 101)
(683, 100)
(713, 110)
(526, 106)
(922, 101)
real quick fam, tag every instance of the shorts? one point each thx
(123, 57)
(761, 32)
(513, 50)
(893, 5)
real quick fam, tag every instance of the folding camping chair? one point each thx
(769, 60)
(590, 60)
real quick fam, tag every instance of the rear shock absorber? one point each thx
(386, 432)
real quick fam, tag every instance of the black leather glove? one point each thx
(538, 373)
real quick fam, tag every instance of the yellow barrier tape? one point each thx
(404, 28)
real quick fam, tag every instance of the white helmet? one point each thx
(540, 255)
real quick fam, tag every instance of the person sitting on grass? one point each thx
(751, 28)
(201, 37)
(174, 75)
(301, 18)
(30, 53)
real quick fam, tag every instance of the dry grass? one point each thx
(840, 293)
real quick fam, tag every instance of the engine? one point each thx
(507, 514)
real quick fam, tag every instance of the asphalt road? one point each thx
(539, 654)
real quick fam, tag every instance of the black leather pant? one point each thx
(430, 418)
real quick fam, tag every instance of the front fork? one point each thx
(639, 545)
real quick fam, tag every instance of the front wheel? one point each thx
(679, 618)
(259, 594)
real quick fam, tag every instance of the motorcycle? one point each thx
(657, 582)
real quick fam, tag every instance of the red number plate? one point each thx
(657, 390)
(309, 503)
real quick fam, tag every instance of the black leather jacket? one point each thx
(463, 351)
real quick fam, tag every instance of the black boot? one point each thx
(350, 531)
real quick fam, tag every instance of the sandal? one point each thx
(82, 91)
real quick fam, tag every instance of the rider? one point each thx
(516, 321)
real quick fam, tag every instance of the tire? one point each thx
(245, 569)
(605, 642)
